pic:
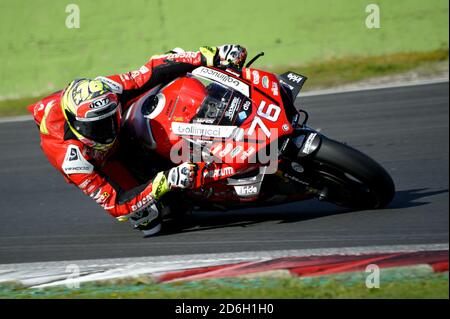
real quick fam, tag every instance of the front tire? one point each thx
(350, 178)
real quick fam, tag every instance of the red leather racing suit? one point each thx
(89, 169)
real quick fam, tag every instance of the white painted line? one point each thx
(44, 274)
(373, 87)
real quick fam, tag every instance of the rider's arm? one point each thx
(76, 167)
(166, 67)
(159, 69)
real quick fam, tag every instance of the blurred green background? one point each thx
(38, 53)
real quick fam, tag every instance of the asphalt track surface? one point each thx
(405, 129)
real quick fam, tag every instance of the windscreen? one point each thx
(221, 105)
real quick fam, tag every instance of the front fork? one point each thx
(296, 153)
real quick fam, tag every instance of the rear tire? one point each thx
(351, 178)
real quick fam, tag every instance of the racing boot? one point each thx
(147, 220)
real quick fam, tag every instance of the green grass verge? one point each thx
(11, 107)
(434, 285)
(40, 54)
(324, 74)
(357, 68)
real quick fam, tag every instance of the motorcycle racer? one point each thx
(79, 128)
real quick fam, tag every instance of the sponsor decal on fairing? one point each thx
(223, 79)
(236, 151)
(265, 81)
(204, 121)
(238, 134)
(226, 150)
(287, 84)
(308, 143)
(203, 130)
(294, 78)
(229, 114)
(220, 172)
(255, 77)
(244, 113)
(247, 153)
(247, 190)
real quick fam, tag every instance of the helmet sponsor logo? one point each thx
(99, 103)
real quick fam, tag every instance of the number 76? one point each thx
(271, 113)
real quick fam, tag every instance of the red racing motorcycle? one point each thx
(251, 144)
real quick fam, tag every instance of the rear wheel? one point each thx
(350, 178)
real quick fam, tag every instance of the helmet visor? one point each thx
(102, 131)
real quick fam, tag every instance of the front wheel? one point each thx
(350, 178)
